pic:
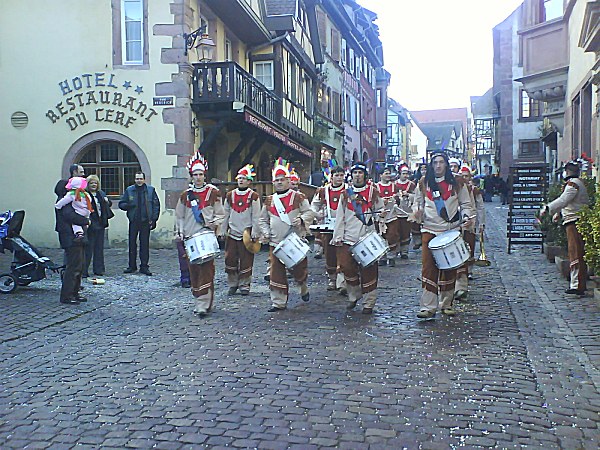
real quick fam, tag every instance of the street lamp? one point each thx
(205, 47)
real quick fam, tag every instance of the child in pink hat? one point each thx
(81, 200)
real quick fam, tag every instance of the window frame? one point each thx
(119, 39)
(124, 41)
(532, 105)
(120, 165)
(528, 155)
(262, 64)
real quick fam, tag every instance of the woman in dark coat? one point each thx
(96, 231)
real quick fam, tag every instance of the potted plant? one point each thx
(555, 238)
(589, 227)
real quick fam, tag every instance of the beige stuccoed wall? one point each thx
(580, 63)
(42, 46)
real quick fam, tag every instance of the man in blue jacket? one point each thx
(143, 207)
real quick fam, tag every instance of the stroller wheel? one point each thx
(8, 283)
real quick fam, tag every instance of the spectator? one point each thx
(143, 208)
(74, 252)
(101, 213)
(503, 190)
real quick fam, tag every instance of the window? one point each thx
(114, 163)
(344, 54)
(132, 27)
(529, 149)
(228, 50)
(379, 99)
(263, 72)
(552, 9)
(530, 108)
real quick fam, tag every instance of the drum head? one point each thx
(444, 239)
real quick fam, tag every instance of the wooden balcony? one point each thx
(222, 83)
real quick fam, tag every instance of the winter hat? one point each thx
(77, 183)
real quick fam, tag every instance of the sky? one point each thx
(439, 52)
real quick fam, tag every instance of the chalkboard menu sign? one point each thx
(528, 185)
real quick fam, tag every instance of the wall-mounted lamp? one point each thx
(204, 48)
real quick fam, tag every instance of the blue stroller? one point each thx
(28, 264)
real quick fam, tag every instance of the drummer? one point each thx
(242, 210)
(391, 230)
(406, 196)
(284, 211)
(325, 205)
(360, 206)
(442, 203)
(199, 209)
(461, 289)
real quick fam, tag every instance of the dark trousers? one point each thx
(184, 268)
(143, 230)
(95, 249)
(72, 276)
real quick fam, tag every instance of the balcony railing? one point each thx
(225, 82)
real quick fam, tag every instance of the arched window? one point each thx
(114, 163)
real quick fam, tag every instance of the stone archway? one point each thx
(96, 136)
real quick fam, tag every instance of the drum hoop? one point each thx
(437, 247)
(362, 239)
(199, 233)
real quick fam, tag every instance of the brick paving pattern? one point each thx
(134, 368)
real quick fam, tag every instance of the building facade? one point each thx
(123, 89)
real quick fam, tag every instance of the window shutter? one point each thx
(335, 45)
(337, 105)
(322, 25)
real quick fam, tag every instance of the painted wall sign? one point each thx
(280, 136)
(99, 97)
(162, 101)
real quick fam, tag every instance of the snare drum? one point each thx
(202, 247)
(449, 250)
(292, 250)
(326, 227)
(369, 249)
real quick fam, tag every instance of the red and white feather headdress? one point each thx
(197, 162)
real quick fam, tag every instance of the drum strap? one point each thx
(357, 208)
(281, 210)
(327, 201)
(195, 208)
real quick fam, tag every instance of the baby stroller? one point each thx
(28, 264)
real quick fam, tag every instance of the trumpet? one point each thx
(482, 261)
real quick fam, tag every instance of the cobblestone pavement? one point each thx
(134, 368)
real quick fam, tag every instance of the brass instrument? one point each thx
(482, 261)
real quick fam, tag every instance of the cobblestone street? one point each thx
(133, 367)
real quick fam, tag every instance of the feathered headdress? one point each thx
(294, 175)
(197, 162)
(465, 170)
(281, 168)
(327, 174)
(247, 171)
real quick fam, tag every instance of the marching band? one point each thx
(361, 225)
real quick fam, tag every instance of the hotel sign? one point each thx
(99, 97)
(277, 134)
